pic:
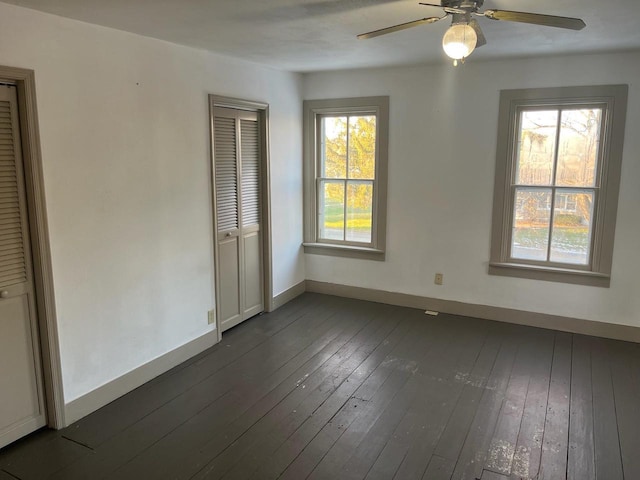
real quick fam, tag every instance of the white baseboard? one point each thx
(288, 295)
(101, 396)
(486, 312)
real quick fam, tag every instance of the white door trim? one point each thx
(24, 80)
(262, 109)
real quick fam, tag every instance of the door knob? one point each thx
(4, 294)
(228, 234)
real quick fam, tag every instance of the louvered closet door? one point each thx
(21, 394)
(237, 167)
(251, 234)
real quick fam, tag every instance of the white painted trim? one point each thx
(107, 393)
(22, 429)
(486, 312)
(288, 295)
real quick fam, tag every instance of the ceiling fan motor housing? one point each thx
(460, 18)
(471, 5)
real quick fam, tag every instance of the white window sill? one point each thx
(551, 274)
(349, 251)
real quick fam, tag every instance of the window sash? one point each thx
(319, 202)
(552, 212)
(319, 158)
(553, 187)
(561, 107)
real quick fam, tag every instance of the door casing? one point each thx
(262, 109)
(24, 80)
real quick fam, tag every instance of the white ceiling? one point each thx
(313, 35)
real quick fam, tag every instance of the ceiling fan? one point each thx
(465, 33)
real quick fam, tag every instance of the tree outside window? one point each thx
(347, 175)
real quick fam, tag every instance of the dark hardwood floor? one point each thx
(331, 388)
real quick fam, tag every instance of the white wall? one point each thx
(443, 127)
(125, 144)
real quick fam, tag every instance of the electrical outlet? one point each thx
(439, 279)
(212, 317)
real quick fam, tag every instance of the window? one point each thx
(345, 176)
(557, 178)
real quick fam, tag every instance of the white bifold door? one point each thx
(22, 408)
(237, 155)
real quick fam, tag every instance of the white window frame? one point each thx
(613, 101)
(314, 110)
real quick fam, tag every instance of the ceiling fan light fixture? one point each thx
(459, 41)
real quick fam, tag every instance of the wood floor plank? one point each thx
(443, 380)
(356, 423)
(553, 462)
(258, 441)
(7, 476)
(40, 457)
(435, 368)
(310, 432)
(489, 475)
(304, 450)
(608, 460)
(499, 458)
(439, 468)
(528, 450)
(625, 370)
(472, 456)
(435, 423)
(581, 455)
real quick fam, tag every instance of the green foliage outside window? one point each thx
(349, 152)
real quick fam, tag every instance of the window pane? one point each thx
(536, 147)
(359, 212)
(571, 236)
(530, 236)
(331, 210)
(333, 131)
(578, 147)
(362, 147)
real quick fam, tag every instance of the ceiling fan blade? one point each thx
(481, 38)
(535, 18)
(397, 28)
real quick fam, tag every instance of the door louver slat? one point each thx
(225, 171)
(250, 147)
(12, 257)
(9, 280)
